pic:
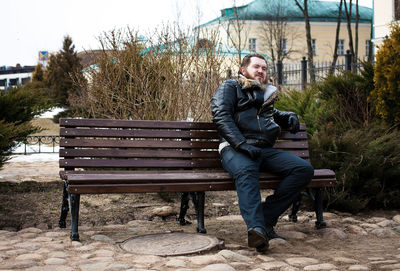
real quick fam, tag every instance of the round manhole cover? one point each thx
(170, 244)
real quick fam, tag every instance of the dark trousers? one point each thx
(296, 174)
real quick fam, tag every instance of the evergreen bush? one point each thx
(386, 95)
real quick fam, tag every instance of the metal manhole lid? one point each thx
(170, 244)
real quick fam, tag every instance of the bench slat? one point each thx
(183, 134)
(140, 124)
(178, 187)
(184, 144)
(167, 176)
(150, 163)
(145, 153)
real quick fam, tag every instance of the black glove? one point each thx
(252, 151)
(294, 124)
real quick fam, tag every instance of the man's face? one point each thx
(257, 70)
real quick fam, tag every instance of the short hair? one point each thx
(246, 60)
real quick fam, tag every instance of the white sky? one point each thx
(30, 26)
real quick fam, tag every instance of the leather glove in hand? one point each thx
(294, 124)
(250, 150)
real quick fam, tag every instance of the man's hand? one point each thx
(250, 150)
(294, 124)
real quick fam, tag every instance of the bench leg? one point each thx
(199, 202)
(64, 208)
(74, 200)
(318, 206)
(184, 206)
(295, 209)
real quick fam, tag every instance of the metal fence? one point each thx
(297, 75)
(39, 144)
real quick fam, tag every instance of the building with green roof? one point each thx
(276, 28)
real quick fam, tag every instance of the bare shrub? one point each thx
(170, 77)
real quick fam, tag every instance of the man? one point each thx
(248, 125)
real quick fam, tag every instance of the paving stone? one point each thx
(240, 265)
(179, 269)
(376, 258)
(76, 244)
(390, 267)
(333, 233)
(102, 259)
(56, 234)
(118, 267)
(85, 248)
(358, 267)
(18, 264)
(289, 268)
(383, 262)
(30, 256)
(257, 269)
(350, 220)
(301, 261)
(322, 266)
(58, 254)
(294, 235)
(265, 258)
(369, 225)
(218, 267)
(376, 219)
(42, 239)
(27, 235)
(114, 227)
(175, 263)
(354, 229)
(386, 223)
(273, 265)
(104, 253)
(383, 232)
(50, 268)
(230, 218)
(31, 230)
(94, 267)
(146, 259)
(28, 245)
(277, 243)
(164, 211)
(396, 219)
(56, 246)
(396, 229)
(344, 260)
(101, 237)
(14, 252)
(3, 248)
(55, 261)
(234, 257)
(207, 259)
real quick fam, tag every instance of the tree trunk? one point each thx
(335, 53)
(348, 16)
(310, 54)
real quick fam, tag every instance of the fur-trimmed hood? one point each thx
(270, 91)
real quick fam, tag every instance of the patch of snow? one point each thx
(51, 113)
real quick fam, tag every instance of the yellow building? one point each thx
(276, 28)
(385, 12)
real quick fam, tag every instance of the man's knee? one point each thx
(305, 172)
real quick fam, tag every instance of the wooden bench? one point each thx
(101, 156)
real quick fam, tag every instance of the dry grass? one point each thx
(48, 126)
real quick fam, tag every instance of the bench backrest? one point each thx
(93, 144)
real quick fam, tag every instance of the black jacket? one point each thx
(240, 111)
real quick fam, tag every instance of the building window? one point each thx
(314, 46)
(340, 48)
(252, 45)
(367, 47)
(396, 10)
(284, 48)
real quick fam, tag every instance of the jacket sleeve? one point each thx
(223, 106)
(282, 118)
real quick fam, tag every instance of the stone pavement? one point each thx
(349, 243)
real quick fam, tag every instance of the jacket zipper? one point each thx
(258, 120)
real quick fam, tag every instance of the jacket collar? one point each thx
(246, 83)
